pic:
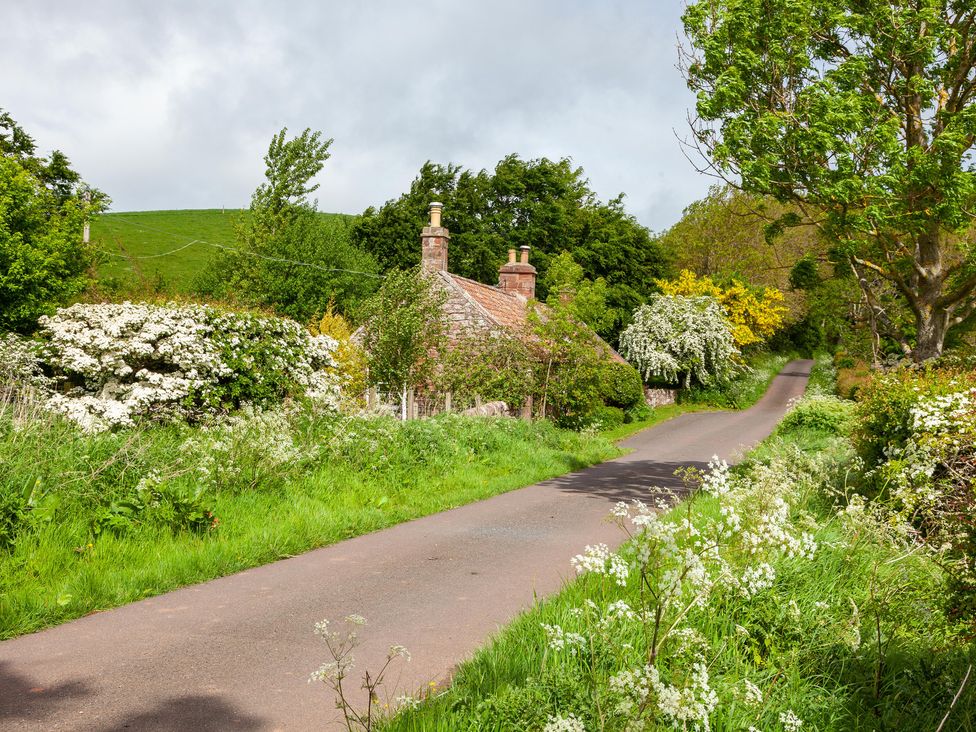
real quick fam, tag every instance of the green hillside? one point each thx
(163, 249)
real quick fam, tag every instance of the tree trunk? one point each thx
(932, 325)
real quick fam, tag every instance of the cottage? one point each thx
(475, 306)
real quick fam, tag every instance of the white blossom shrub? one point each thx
(116, 363)
(21, 367)
(676, 338)
(918, 437)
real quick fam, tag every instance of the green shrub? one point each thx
(607, 417)
(638, 413)
(621, 386)
(821, 412)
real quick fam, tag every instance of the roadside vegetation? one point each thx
(95, 521)
(784, 595)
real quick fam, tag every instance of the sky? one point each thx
(171, 105)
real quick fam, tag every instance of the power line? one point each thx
(280, 260)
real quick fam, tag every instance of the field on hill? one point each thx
(164, 250)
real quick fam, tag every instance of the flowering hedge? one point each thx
(917, 435)
(677, 337)
(114, 363)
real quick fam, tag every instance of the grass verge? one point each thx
(113, 518)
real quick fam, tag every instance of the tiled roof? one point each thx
(505, 308)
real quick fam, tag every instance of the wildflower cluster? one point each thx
(676, 337)
(676, 565)
(335, 673)
(115, 363)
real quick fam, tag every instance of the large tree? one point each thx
(547, 205)
(863, 115)
(289, 256)
(44, 261)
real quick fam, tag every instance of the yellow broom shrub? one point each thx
(753, 315)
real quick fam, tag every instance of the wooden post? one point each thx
(447, 402)
(477, 400)
(527, 408)
(371, 398)
(411, 405)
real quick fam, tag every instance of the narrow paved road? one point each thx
(235, 653)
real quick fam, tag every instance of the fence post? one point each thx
(447, 402)
(411, 405)
(477, 400)
(527, 408)
(371, 398)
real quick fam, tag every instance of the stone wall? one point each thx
(660, 397)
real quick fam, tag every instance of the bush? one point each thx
(121, 362)
(607, 418)
(821, 412)
(917, 435)
(621, 386)
(676, 337)
(639, 413)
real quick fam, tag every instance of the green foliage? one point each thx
(606, 418)
(539, 203)
(43, 261)
(886, 402)
(403, 328)
(280, 482)
(569, 362)
(584, 298)
(621, 385)
(287, 256)
(862, 115)
(823, 413)
(494, 366)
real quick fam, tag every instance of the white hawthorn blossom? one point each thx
(676, 336)
(116, 363)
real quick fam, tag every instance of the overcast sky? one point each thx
(169, 105)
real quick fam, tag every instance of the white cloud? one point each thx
(172, 106)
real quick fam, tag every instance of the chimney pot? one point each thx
(524, 249)
(435, 213)
(511, 256)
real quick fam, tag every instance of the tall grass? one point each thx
(100, 520)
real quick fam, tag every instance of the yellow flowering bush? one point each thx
(349, 356)
(753, 315)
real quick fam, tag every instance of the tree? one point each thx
(43, 260)
(289, 256)
(753, 315)
(585, 299)
(864, 116)
(543, 204)
(403, 329)
(677, 338)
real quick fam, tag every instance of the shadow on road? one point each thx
(20, 698)
(625, 480)
(192, 712)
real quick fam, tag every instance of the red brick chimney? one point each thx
(434, 239)
(518, 277)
